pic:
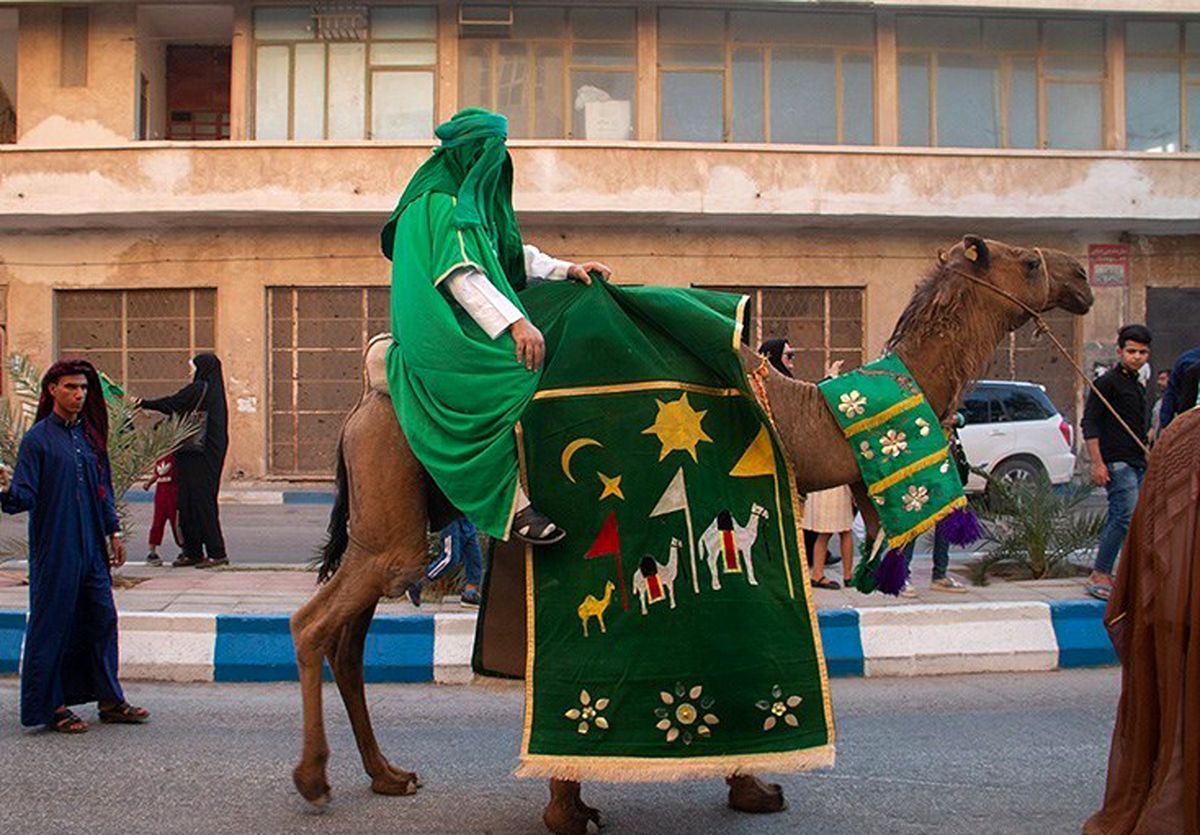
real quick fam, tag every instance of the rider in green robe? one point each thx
(465, 359)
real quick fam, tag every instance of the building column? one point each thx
(240, 72)
(887, 81)
(647, 74)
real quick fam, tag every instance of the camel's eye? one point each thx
(1032, 264)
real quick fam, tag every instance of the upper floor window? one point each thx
(356, 72)
(1000, 82)
(1162, 86)
(553, 72)
(757, 76)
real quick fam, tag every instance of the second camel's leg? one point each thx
(346, 661)
(749, 794)
(566, 813)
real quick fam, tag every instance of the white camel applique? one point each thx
(653, 581)
(730, 544)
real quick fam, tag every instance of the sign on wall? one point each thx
(1108, 265)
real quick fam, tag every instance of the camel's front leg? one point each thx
(309, 635)
(566, 813)
(346, 660)
(749, 568)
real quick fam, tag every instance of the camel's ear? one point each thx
(942, 256)
(975, 249)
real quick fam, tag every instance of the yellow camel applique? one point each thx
(591, 607)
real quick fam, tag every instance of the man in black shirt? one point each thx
(1118, 462)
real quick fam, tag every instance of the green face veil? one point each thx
(472, 164)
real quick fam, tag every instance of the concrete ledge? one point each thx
(876, 641)
(962, 638)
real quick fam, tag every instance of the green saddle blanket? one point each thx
(671, 634)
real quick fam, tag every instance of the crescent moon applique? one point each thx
(571, 449)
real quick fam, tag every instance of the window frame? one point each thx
(369, 70)
(729, 46)
(1186, 80)
(1044, 78)
(568, 67)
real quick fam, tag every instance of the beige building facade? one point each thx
(182, 177)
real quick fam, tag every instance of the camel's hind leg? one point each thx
(346, 660)
(566, 813)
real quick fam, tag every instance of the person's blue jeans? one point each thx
(460, 541)
(1124, 482)
(941, 554)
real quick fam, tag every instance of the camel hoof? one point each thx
(395, 783)
(569, 820)
(749, 794)
(316, 792)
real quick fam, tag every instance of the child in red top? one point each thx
(166, 505)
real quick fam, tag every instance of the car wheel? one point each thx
(1019, 471)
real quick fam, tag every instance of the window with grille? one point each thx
(822, 324)
(143, 339)
(1162, 86)
(344, 72)
(765, 76)
(554, 72)
(1007, 82)
(317, 337)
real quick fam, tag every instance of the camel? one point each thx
(666, 574)
(593, 608)
(744, 536)
(376, 543)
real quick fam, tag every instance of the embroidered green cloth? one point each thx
(898, 444)
(671, 634)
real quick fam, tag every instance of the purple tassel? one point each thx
(961, 527)
(892, 573)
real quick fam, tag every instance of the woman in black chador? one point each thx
(199, 473)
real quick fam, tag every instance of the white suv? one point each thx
(1014, 432)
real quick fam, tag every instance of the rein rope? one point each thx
(1044, 328)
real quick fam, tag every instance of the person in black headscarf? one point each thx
(199, 472)
(779, 353)
(63, 479)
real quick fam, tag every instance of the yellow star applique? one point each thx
(677, 426)
(612, 486)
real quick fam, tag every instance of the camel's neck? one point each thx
(948, 349)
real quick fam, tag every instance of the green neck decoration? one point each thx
(473, 165)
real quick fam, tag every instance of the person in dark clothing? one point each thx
(1173, 399)
(779, 353)
(1118, 461)
(64, 480)
(199, 473)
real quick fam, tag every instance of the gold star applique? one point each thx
(612, 486)
(677, 426)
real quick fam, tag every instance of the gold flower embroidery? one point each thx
(864, 449)
(686, 716)
(879, 500)
(588, 713)
(893, 443)
(778, 708)
(924, 424)
(852, 404)
(915, 498)
(945, 468)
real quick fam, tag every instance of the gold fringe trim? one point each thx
(665, 770)
(905, 472)
(737, 324)
(884, 416)
(649, 385)
(926, 524)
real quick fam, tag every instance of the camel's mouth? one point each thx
(1074, 294)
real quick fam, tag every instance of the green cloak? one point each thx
(458, 393)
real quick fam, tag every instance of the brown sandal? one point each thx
(67, 722)
(124, 713)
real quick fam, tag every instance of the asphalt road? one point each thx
(965, 754)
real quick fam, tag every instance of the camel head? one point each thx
(1043, 279)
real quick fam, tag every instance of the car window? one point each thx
(977, 406)
(1021, 403)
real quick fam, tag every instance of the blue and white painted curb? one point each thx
(257, 497)
(873, 642)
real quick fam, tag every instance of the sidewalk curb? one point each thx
(250, 497)
(870, 642)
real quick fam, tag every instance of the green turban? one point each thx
(472, 164)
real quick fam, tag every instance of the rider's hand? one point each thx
(1099, 473)
(579, 272)
(118, 552)
(531, 347)
(5, 478)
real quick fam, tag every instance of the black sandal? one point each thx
(535, 528)
(67, 722)
(825, 583)
(123, 713)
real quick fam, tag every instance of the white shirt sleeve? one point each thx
(540, 265)
(490, 308)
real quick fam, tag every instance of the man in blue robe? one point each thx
(63, 479)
